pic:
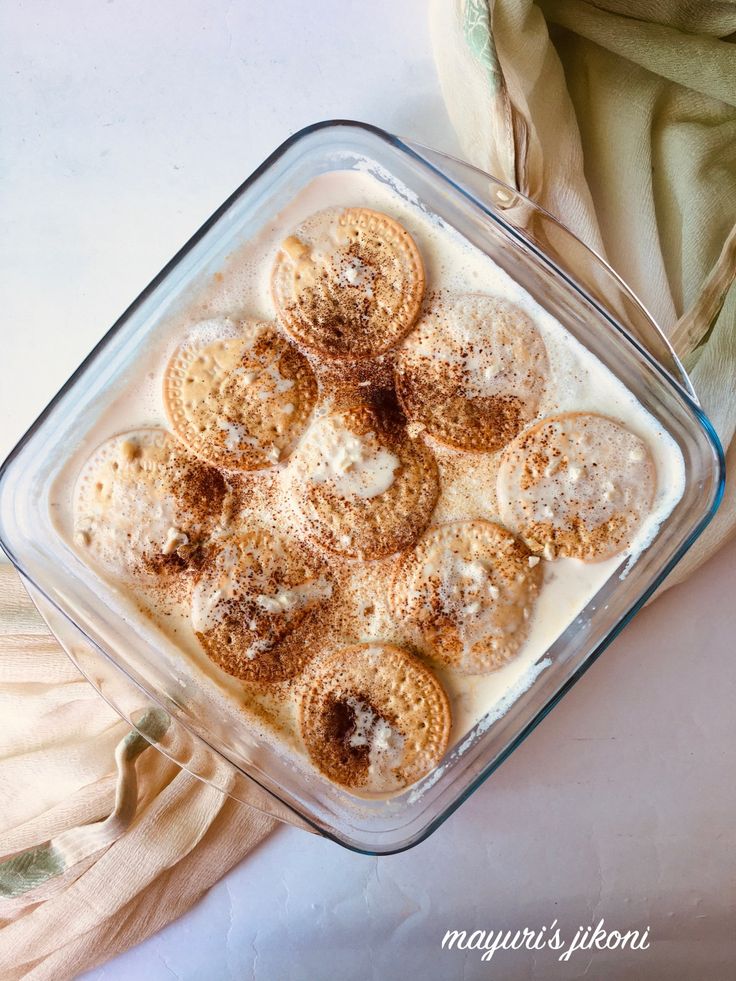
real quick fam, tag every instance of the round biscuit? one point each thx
(362, 489)
(250, 603)
(238, 394)
(576, 485)
(472, 372)
(470, 588)
(348, 284)
(144, 507)
(373, 718)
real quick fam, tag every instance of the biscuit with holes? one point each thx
(348, 284)
(373, 718)
(361, 488)
(472, 372)
(470, 589)
(250, 603)
(144, 507)
(577, 485)
(238, 394)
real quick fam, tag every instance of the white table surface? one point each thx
(125, 124)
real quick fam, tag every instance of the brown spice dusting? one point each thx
(388, 687)
(187, 558)
(482, 424)
(579, 537)
(249, 638)
(429, 588)
(390, 521)
(468, 395)
(576, 485)
(203, 489)
(360, 301)
(346, 758)
(351, 762)
(239, 400)
(388, 411)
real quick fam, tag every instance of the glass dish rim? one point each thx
(684, 392)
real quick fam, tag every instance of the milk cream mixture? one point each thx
(273, 521)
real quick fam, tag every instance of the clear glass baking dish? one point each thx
(125, 662)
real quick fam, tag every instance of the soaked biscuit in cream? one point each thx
(348, 284)
(250, 599)
(470, 587)
(238, 394)
(472, 372)
(373, 718)
(144, 507)
(362, 488)
(576, 485)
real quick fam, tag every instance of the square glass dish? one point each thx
(134, 666)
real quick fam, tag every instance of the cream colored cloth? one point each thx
(619, 116)
(103, 840)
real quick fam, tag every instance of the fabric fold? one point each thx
(103, 840)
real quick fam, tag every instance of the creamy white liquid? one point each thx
(577, 381)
